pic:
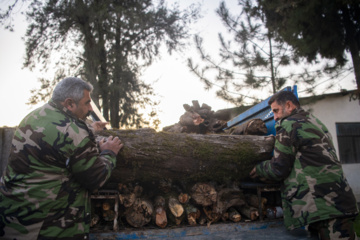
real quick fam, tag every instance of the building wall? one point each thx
(340, 109)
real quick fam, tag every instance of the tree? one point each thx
(326, 28)
(107, 43)
(256, 58)
(256, 54)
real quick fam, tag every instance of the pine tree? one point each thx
(256, 59)
(326, 28)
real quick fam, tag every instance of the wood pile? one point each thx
(200, 119)
(154, 205)
(187, 174)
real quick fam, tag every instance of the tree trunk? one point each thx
(103, 75)
(149, 156)
(116, 88)
(353, 44)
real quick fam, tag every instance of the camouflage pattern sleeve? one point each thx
(89, 167)
(279, 167)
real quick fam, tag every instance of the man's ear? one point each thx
(69, 104)
(290, 106)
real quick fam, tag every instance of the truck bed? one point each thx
(268, 229)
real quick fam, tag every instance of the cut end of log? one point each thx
(204, 194)
(251, 213)
(161, 218)
(184, 198)
(140, 213)
(234, 215)
(175, 207)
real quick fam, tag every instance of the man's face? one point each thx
(83, 108)
(281, 111)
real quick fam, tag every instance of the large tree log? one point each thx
(149, 155)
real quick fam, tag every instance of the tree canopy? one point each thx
(106, 42)
(326, 28)
(257, 58)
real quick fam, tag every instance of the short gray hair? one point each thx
(70, 87)
(282, 97)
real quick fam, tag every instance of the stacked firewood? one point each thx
(199, 119)
(168, 205)
(202, 120)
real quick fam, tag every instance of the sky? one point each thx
(170, 77)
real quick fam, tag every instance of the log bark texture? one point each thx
(148, 155)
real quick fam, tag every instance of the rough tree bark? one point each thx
(149, 155)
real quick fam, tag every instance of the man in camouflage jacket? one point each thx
(315, 192)
(54, 164)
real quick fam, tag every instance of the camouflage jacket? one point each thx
(53, 164)
(314, 187)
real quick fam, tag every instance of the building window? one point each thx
(348, 135)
